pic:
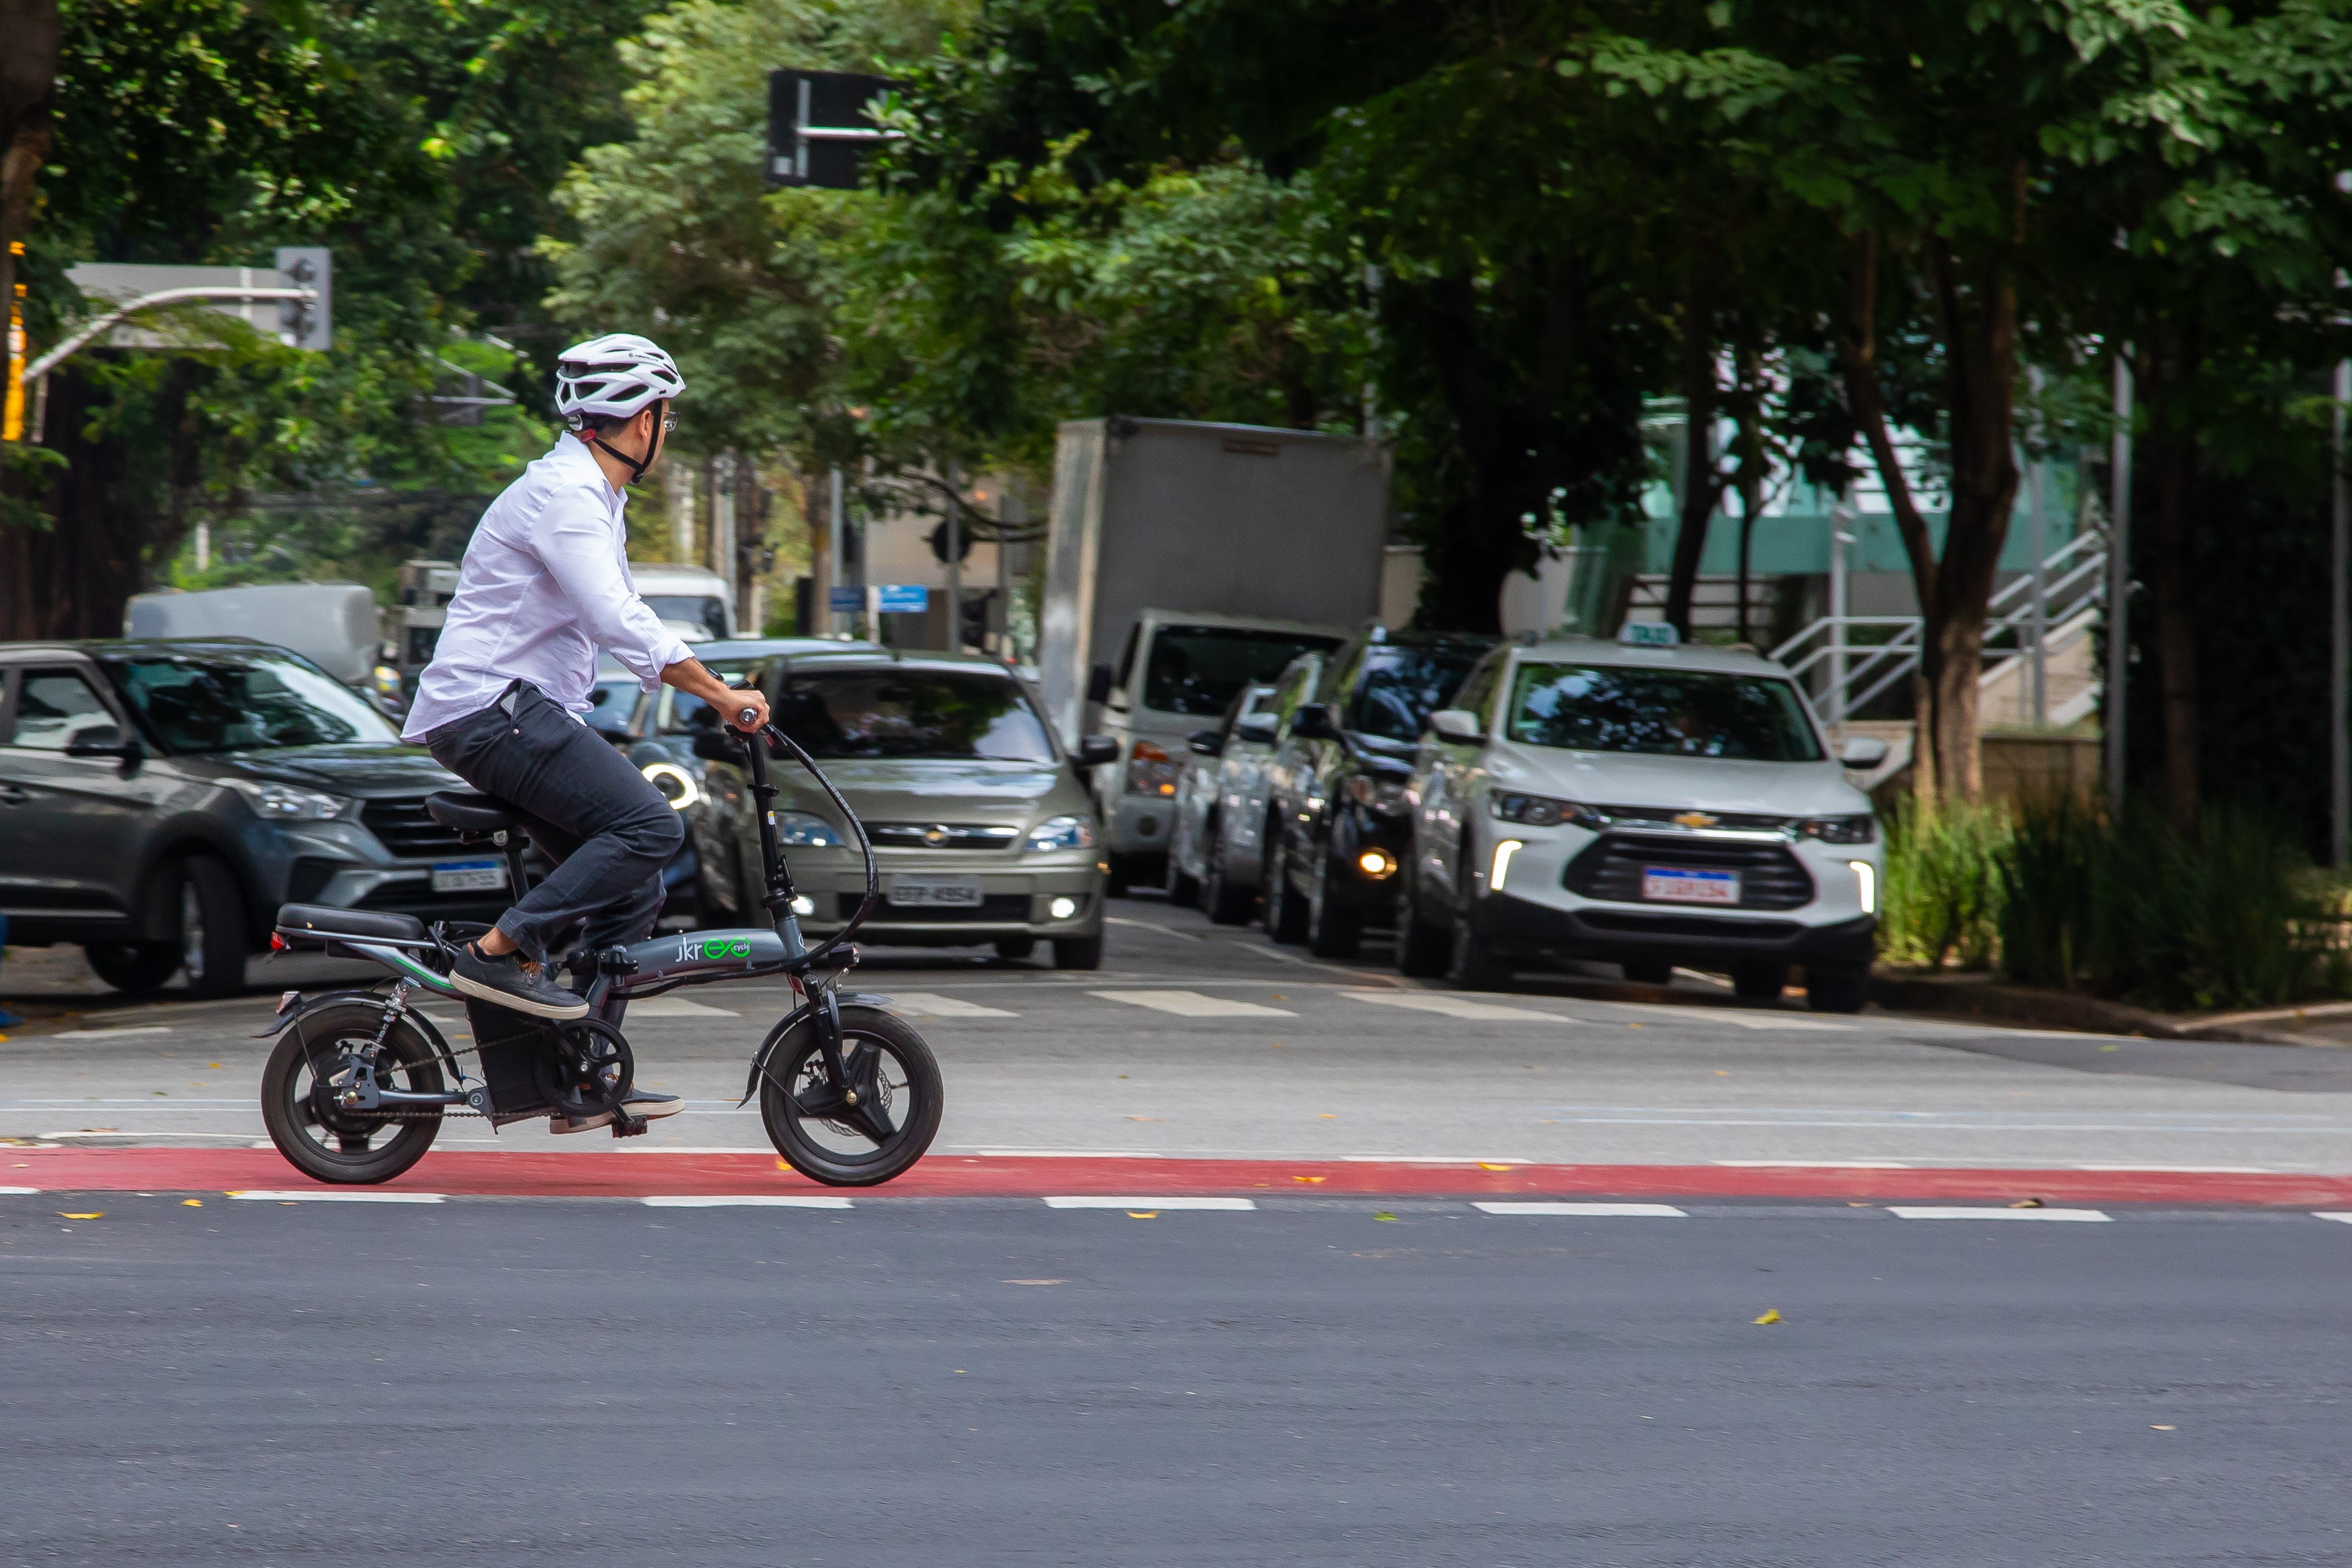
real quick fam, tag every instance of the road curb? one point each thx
(1976, 996)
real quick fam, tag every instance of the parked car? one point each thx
(1649, 806)
(984, 829)
(713, 880)
(161, 797)
(1339, 808)
(1210, 755)
(1234, 860)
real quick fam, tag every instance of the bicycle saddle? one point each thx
(468, 812)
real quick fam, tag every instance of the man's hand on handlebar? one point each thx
(746, 708)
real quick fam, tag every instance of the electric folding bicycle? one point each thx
(360, 1080)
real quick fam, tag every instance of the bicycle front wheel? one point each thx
(865, 1131)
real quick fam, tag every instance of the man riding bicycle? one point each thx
(544, 584)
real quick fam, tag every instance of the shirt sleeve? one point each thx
(575, 545)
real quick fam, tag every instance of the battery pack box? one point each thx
(511, 1044)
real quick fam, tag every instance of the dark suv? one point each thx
(160, 799)
(1338, 821)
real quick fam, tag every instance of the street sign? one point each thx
(845, 600)
(1649, 633)
(901, 599)
(818, 127)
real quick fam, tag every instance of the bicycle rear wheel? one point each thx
(868, 1131)
(317, 1051)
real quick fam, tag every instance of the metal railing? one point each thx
(2050, 605)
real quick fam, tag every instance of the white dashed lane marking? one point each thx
(30, 1191)
(1227, 1204)
(2339, 1216)
(1455, 1006)
(2090, 1215)
(1194, 1005)
(1589, 1210)
(310, 1197)
(931, 1005)
(749, 1200)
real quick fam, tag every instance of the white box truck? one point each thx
(1183, 561)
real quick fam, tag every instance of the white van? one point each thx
(692, 598)
(1642, 805)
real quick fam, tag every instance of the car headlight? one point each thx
(284, 803)
(1388, 797)
(1063, 833)
(805, 830)
(1150, 771)
(1858, 829)
(1540, 810)
(678, 785)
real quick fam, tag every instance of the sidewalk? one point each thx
(1975, 996)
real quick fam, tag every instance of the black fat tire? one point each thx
(1286, 911)
(1837, 991)
(1332, 931)
(211, 928)
(1475, 966)
(315, 1035)
(1182, 890)
(1423, 949)
(914, 1131)
(1221, 901)
(1649, 971)
(1078, 952)
(133, 966)
(1759, 982)
(1015, 947)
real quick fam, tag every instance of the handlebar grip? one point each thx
(746, 715)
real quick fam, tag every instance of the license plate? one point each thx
(1676, 884)
(935, 892)
(470, 876)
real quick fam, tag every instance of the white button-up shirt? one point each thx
(545, 582)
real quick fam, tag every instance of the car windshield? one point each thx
(1660, 713)
(1197, 669)
(925, 714)
(695, 609)
(1402, 686)
(213, 701)
(686, 712)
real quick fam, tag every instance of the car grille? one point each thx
(1663, 816)
(1710, 925)
(995, 909)
(953, 836)
(1769, 876)
(402, 823)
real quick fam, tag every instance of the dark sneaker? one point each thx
(640, 1101)
(511, 982)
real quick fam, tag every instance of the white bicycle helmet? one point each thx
(613, 376)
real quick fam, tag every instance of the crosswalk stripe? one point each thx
(1194, 1005)
(2089, 1214)
(1590, 1210)
(1228, 1205)
(931, 1005)
(749, 1200)
(309, 1195)
(1454, 1007)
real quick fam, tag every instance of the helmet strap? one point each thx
(635, 465)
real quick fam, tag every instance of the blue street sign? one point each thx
(846, 600)
(902, 598)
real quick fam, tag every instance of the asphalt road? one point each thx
(1202, 1041)
(981, 1382)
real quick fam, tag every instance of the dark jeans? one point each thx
(584, 805)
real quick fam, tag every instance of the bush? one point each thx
(1943, 889)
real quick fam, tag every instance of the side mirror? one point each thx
(1863, 751)
(1257, 728)
(1457, 724)
(716, 745)
(1094, 750)
(1098, 683)
(105, 740)
(1207, 743)
(1314, 721)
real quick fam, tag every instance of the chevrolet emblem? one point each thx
(935, 837)
(1692, 820)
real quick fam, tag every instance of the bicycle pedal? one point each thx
(627, 1126)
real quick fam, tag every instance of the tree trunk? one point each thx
(1751, 466)
(1702, 476)
(28, 71)
(2175, 462)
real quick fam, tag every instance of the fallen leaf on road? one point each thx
(1310, 1178)
(1484, 1166)
(1143, 1118)
(2111, 1048)
(192, 1202)
(1326, 1116)
(99, 1214)
(1143, 1213)
(1384, 1214)
(212, 1064)
(1772, 1315)
(2027, 1203)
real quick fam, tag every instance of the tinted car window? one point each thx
(1197, 669)
(693, 609)
(1402, 686)
(53, 706)
(911, 714)
(1664, 713)
(212, 703)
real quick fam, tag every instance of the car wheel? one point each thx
(211, 928)
(1332, 932)
(133, 966)
(1286, 911)
(1224, 903)
(1836, 990)
(1759, 982)
(1649, 971)
(1015, 947)
(1475, 966)
(1425, 948)
(1078, 952)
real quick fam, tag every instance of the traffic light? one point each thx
(818, 128)
(307, 323)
